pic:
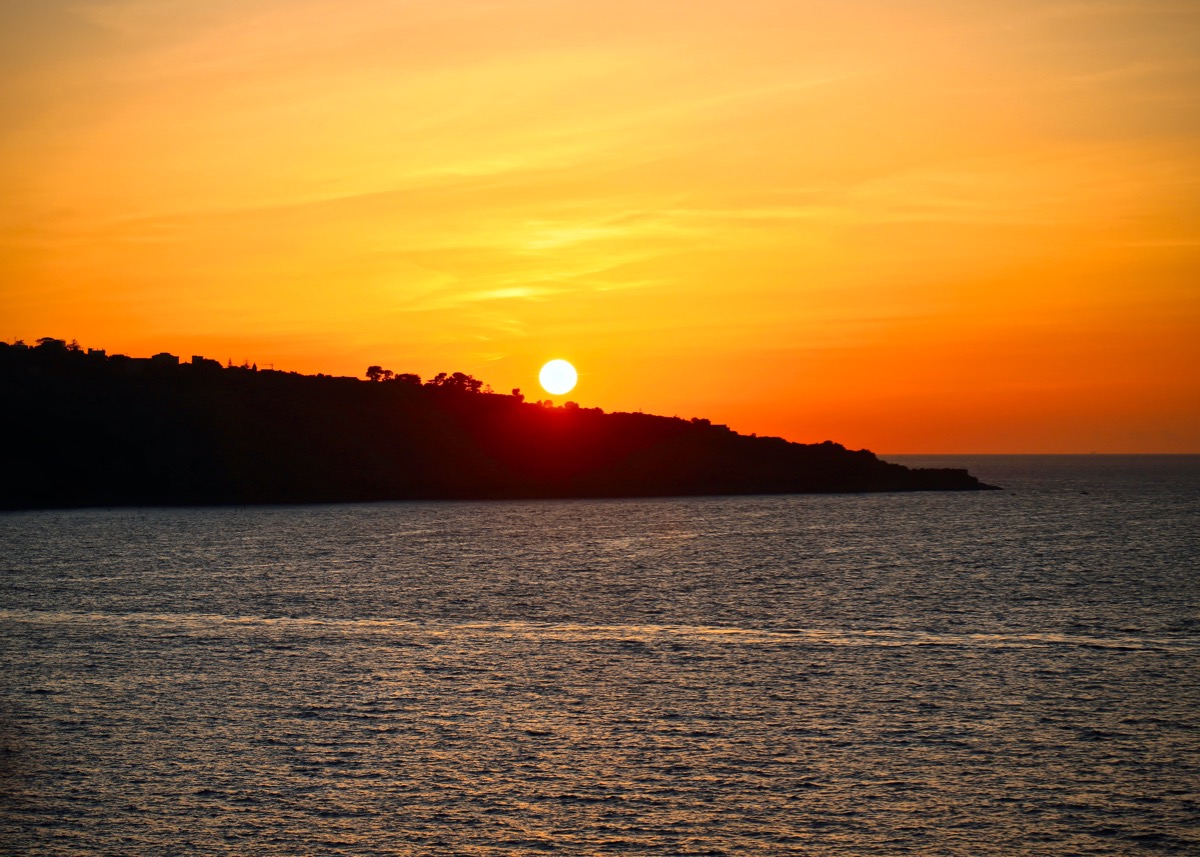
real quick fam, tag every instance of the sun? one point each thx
(558, 377)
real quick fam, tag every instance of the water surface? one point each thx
(990, 673)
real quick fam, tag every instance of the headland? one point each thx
(83, 428)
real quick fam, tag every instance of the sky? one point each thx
(936, 226)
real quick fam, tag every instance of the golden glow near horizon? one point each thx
(930, 226)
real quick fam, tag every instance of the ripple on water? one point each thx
(1008, 673)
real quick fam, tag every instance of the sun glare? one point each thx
(558, 377)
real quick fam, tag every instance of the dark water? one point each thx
(1010, 672)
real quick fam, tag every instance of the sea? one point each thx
(988, 673)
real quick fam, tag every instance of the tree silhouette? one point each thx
(458, 382)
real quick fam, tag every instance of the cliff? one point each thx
(90, 430)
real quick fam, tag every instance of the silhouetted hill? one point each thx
(86, 429)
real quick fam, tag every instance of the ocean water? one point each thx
(1012, 672)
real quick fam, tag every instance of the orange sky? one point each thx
(919, 226)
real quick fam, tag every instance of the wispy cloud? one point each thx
(696, 182)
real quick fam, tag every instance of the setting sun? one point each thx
(558, 377)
